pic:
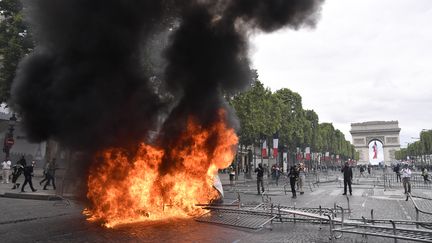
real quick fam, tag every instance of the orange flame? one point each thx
(125, 191)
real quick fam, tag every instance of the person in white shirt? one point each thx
(406, 176)
(6, 166)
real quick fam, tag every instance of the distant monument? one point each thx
(376, 141)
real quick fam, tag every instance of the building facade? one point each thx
(376, 141)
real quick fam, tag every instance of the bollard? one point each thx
(372, 217)
(294, 214)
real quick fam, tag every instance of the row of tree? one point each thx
(263, 114)
(419, 149)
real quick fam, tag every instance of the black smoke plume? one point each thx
(89, 83)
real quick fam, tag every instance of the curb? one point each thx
(46, 197)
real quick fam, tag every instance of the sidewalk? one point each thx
(40, 194)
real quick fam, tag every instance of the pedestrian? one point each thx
(52, 167)
(45, 174)
(348, 175)
(277, 174)
(6, 167)
(260, 174)
(369, 169)
(362, 171)
(22, 161)
(396, 169)
(406, 177)
(28, 174)
(17, 170)
(425, 176)
(293, 177)
(301, 178)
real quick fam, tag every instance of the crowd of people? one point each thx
(27, 170)
(296, 176)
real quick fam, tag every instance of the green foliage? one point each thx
(263, 113)
(15, 43)
(259, 113)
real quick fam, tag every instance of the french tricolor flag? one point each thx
(264, 149)
(275, 147)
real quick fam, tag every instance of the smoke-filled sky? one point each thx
(366, 60)
(90, 83)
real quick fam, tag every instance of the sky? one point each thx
(365, 60)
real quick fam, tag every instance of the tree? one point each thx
(15, 43)
(258, 112)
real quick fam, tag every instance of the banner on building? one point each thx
(299, 155)
(307, 153)
(275, 147)
(264, 150)
(285, 161)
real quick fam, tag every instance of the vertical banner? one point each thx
(264, 149)
(299, 155)
(307, 153)
(275, 147)
(285, 161)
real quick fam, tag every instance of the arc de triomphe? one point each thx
(366, 134)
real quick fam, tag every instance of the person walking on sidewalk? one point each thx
(277, 174)
(302, 177)
(45, 174)
(260, 177)
(22, 161)
(6, 166)
(28, 174)
(293, 178)
(52, 167)
(406, 177)
(17, 170)
(348, 175)
(425, 176)
(397, 171)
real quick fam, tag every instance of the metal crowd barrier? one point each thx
(255, 217)
(420, 210)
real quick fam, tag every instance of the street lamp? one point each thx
(9, 141)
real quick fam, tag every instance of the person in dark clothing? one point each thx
(397, 170)
(293, 177)
(52, 167)
(45, 174)
(22, 161)
(348, 175)
(260, 175)
(28, 174)
(17, 171)
(369, 169)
